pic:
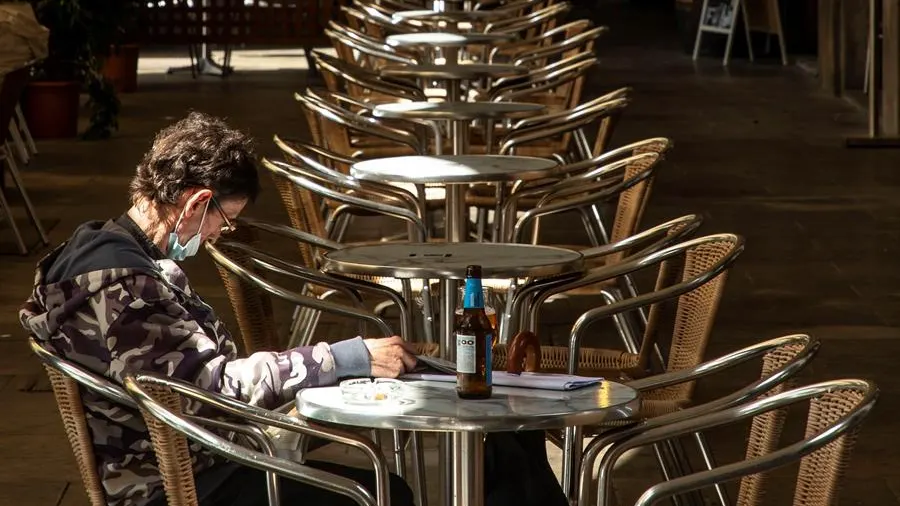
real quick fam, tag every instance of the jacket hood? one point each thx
(97, 255)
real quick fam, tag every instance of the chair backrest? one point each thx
(561, 126)
(696, 291)
(836, 411)
(377, 23)
(160, 399)
(766, 429)
(559, 89)
(359, 82)
(67, 392)
(352, 46)
(633, 201)
(783, 358)
(336, 123)
(250, 264)
(531, 24)
(252, 307)
(303, 207)
(345, 193)
(695, 310)
(68, 381)
(604, 180)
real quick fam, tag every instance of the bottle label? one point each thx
(465, 354)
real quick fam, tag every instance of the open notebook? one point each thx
(435, 369)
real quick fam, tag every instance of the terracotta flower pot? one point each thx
(51, 108)
(121, 67)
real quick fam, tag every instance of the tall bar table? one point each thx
(453, 74)
(459, 114)
(433, 406)
(449, 43)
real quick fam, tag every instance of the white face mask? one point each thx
(176, 251)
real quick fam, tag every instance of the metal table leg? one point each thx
(456, 221)
(446, 458)
(205, 64)
(456, 230)
(468, 456)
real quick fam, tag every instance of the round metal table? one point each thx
(428, 16)
(435, 407)
(449, 44)
(447, 40)
(454, 169)
(457, 111)
(459, 114)
(453, 71)
(448, 261)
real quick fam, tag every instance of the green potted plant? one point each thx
(51, 101)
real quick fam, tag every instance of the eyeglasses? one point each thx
(228, 226)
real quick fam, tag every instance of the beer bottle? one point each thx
(474, 339)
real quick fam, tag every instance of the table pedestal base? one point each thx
(204, 64)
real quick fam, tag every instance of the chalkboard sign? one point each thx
(722, 17)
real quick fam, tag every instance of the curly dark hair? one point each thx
(197, 151)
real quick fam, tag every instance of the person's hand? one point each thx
(391, 356)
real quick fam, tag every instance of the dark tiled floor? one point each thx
(758, 152)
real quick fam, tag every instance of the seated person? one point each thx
(112, 299)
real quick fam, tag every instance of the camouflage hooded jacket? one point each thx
(108, 300)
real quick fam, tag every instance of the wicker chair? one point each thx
(836, 410)
(782, 358)
(69, 381)
(695, 287)
(310, 182)
(244, 270)
(364, 84)
(695, 292)
(356, 47)
(71, 411)
(160, 400)
(606, 180)
(626, 219)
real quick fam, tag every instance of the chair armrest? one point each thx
(292, 233)
(601, 192)
(343, 283)
(387, 210)
(374, 188)
(664, 234)
(291, 296)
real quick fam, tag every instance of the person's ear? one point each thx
(198, 200)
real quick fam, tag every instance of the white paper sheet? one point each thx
(543, 381)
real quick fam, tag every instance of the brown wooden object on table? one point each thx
(524, 353)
